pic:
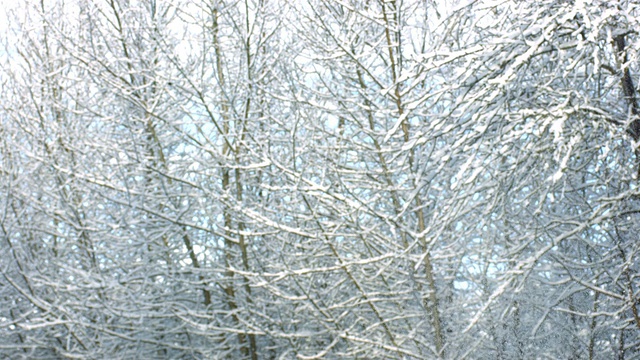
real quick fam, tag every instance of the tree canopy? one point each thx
(268, 179)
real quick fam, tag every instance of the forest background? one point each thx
(269, 179)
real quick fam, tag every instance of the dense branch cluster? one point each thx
(270, 179)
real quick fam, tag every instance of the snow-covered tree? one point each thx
(320, 179)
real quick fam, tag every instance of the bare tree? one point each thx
(319, 179)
